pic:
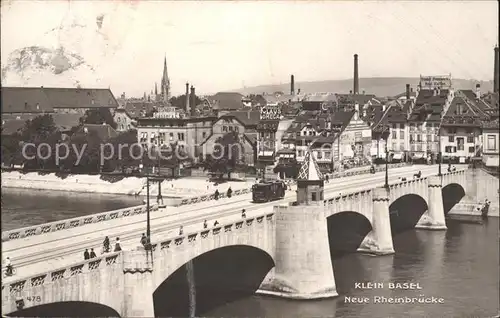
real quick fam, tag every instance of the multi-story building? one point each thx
(490, 143)
(434, 96)
(188, 133)
(244, 123)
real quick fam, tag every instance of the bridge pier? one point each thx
(138, 286)
(433, 218)
(303, 266)
(379, 240)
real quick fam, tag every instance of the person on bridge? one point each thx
(92, 253)
(216, 194)
(229, 192)
(449, 166)
(372, 169)
(106, 245)
(118, 247)
(243, 213)
(144, 240)
(8, 267)
(86, 254)
(205, 225)
(216, 223)
(181, 230)
(327, 179)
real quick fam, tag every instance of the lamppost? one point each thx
(386, 185)
(440, 153)
(148, 225)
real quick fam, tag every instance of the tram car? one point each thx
(266, 191)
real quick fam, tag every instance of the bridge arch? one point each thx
(212, 279)
(452, 194)
(346, 231)
(405, 212)
(67, 309)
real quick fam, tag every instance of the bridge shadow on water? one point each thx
(405, 213)
(212, 280)
(346, 231)
(67, 309)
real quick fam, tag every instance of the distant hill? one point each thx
(380, 86)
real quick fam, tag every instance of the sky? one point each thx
(220, 46)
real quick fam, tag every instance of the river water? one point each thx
(460, 265)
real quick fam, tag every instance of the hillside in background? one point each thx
(380, 86)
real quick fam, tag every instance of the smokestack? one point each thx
(407, 91)
(497, 71)
(193, 101)
(356, 75)
(292, 85)
(187, 98)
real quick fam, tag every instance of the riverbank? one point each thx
(177, 188)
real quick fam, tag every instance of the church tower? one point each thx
(165, 83)
(310, 182)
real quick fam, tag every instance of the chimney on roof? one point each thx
(497, 71)
(356, 75)
(292, 85)
(407, 91)
(193, 101)
(187, 98)
(478, 91)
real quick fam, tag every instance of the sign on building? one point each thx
(431, 82)
(270, 113)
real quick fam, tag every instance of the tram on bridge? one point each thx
(266, 191)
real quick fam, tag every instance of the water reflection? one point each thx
(24, 207)
(460, 265)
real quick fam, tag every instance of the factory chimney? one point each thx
(292, 85)
(497, 71)
(187, 98)
(356, 76)
(193, 101)
(408, 92)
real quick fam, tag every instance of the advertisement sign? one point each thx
(431, 82)
(270, 113)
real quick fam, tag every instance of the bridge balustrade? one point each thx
(18, 286)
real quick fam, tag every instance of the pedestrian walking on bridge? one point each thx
(205, 225)
(144, 240)
(106, 245)
(86, 254)
(118, 247)
(181, 230)
(216, 194)
(243, 213)
(92, 253)
(229, 192)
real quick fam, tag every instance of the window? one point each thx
(411, 138)
(451, 138)
(203, 134)
(429, 137)
(402, 126)
(300, 153)
(470, 139)
(419, 137)
(419, 147)
(394, 126)
(402, 147)
(236, 128)
(328, 155)
(224, 128)
(393, 146)
(394, 135)
(402, 134)
(230, 128)
(460, 142)
(492, 142)
(471, 149)
(320, 155)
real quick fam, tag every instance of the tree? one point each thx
(180, 101)
(98, 116)
(225, 155)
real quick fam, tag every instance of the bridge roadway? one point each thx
(42, 253)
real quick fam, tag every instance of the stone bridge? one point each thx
(287, 252)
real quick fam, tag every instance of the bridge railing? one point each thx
(357, 194)
(115, 214)
(192, 236)
(15, 287)
(367, 170)
(73, 222)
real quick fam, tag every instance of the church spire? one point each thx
(165, 82)
(156, 89)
